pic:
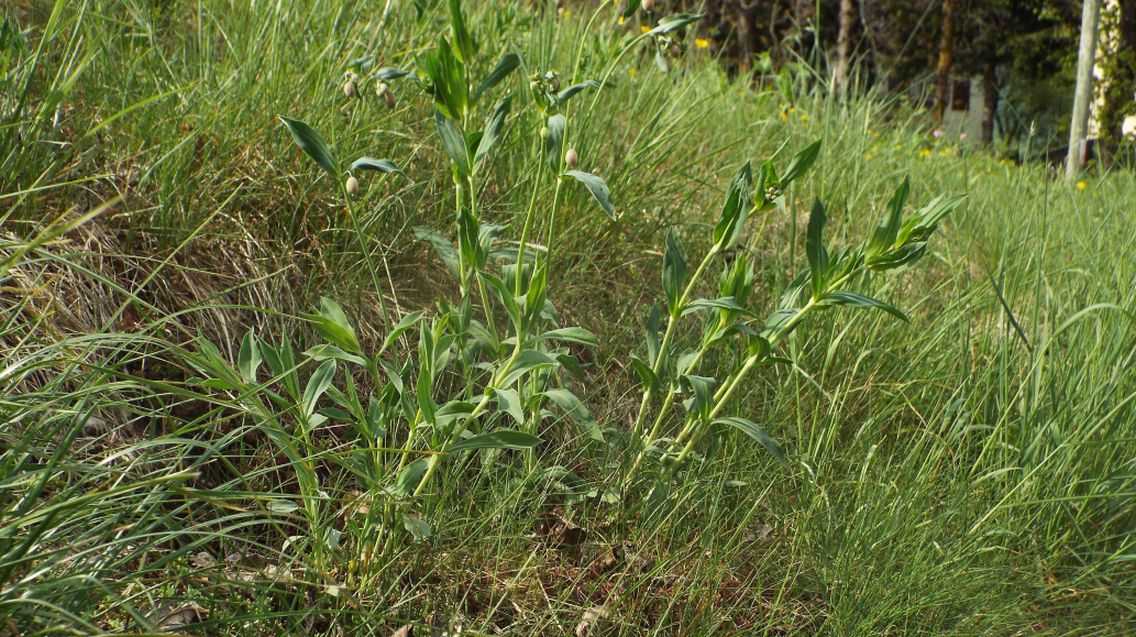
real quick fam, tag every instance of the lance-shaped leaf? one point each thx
(702, 392)
(509, 402)
(411, 476)
(724, 303)
(576, 335)
(442, 246)
(735, 212)
(674, 272)
(388, 73)
(332, 323)
(843, 297)
(464, 46)
(598, 188)
(800, 163)
(575, 408)
(317, 385)
(500, 439)
(528, 361)
(554, 140)
(248, 359)
(886, 234)
(814, 247)
(566, 94)
(506, 65)
(453, 143)
(755, 431)
(675, 22)
(312, 144)
(378, 165)
(492, 131)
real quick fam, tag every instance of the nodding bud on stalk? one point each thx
(352, 185)
(384, 91)
(544, 132)
(648, 5)
(349, 89)
(571, 158)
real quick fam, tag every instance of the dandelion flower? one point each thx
(926, 152)
(701, 43)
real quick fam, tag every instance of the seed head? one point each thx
(352, 185)
(349, 89)
(571, 158)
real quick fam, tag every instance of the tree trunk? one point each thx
(843, 46)
(989, 100)
(946, 60)
(1084, 92)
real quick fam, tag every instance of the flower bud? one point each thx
(773, 192)
(544, 132)
(349, 89)
(352, 185)
(387, 95)
(648, 5)
(571, 158)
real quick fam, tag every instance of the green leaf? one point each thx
(332, 323)
(312, 144)
(447, 78)
(674, 271)
(814, 247)
(575, 408)
(853, 299)
(507, 64)
(554, 141)
(753, 430)
(702, 390)
(418, 528)
(724, 303)
(598, 188)
(801, 162)
(406, 323)
(504, 295)
(527, 361)
(424, 392)
(377, 165)
(388, 73)
(509, 402)
(568, 93)
(362, 63)
(453, 143)
(735, 212)
(248, 359)
(442, 247)
(886, 234)
(500, 439)
(464, 46)
(317, 385)
(327, 351)
(570, 335)
(632, 7)
(282, 507)
(675, 22)
(410, 477)
(646, 374)
(492, 130)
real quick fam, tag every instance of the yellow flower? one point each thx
(1081, 185)
(644, 28)
(632, 71)
(566, 13)
(622, 20)
(701, 43)
(925, 152)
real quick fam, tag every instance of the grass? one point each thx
(968, 472)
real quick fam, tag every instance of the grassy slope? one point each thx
(953, 475)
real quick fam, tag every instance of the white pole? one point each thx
(1083, 96)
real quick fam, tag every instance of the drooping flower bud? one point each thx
(387, 95)
(349, 89)
(571, 158)
(648, 5)
(352, 185)
(544, 132)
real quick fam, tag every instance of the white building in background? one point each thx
(963, 117)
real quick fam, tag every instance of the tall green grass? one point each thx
(969, 472)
